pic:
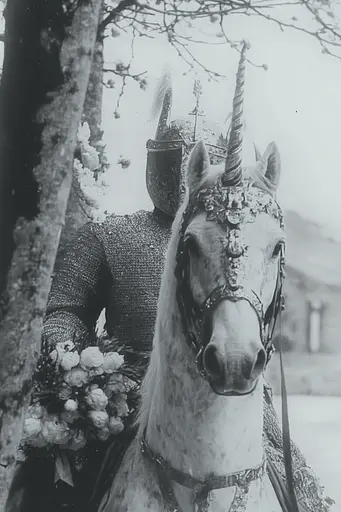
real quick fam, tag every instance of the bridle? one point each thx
(230, 207)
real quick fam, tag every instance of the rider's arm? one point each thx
(79, 289)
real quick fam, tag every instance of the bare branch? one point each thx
(125, 73)
(124, 4)
(176, 19)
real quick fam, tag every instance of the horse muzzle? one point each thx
(233, 372)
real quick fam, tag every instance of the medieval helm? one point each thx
(168, 152)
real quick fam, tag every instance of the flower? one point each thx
(76, 377)
(61, 348)
(32, 427)
(115, 425)
(98, 418)
(69, 416)
(69, 360)
(115, 385)
(95, 372)
(91, 357)
(64, 391)
(96, 399)
(71, 405)
(103, 434)
(83, 133)
(112, 361)
(55, 431)
(120, 404)
(35, 411)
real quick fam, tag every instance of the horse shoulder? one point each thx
(135, 486)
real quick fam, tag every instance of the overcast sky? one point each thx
(297, 103)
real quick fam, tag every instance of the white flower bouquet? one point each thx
(78, 396)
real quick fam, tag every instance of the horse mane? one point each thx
(166, 295)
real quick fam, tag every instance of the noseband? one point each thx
(231, 207)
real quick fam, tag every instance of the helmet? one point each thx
(167, 154)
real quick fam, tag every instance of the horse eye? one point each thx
(277, 249)
(192, 245)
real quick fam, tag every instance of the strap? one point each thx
(279, 486)
(289, 496)
(240, 478)
(286, 440)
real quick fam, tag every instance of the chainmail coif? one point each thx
(118, 265)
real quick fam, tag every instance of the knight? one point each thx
(117, 265)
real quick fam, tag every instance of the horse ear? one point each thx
(258, 154)
(198, 165)
(270, 164)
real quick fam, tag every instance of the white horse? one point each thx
(194, 429)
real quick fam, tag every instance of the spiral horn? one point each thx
(233, 164)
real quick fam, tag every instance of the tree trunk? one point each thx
(92, 113)
(78, 210)
(48, 53)
(78, 213)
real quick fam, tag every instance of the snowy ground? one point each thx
(316, 428)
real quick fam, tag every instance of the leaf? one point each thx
(63, 470)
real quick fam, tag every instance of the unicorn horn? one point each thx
(233, 164)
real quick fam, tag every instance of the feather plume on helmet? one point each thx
(167, 153)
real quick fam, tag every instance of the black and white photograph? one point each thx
(170, 255)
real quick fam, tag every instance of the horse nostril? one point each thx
(252, 369)
(211, 361)
(259, 364)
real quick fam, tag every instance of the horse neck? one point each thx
(195, 430)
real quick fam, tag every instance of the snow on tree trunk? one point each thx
(48, 53)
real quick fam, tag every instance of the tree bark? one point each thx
(92, 113)
(48, 54)
(78, 210)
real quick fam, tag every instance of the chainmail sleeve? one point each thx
(79, 289)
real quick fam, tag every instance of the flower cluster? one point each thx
(88, 167)
(79, 396)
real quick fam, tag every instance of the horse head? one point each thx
(230, 260)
